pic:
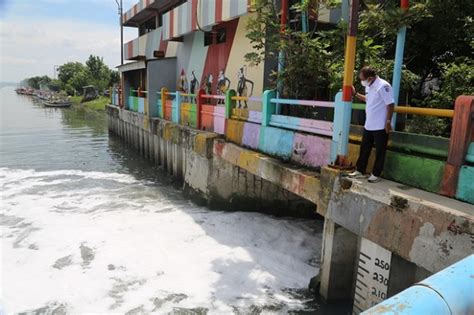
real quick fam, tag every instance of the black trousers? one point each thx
(380, 138)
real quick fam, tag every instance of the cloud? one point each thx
(32, 45)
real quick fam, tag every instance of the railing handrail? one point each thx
(168, 93)
(422, 111)
(302, 102)
(187, 95)
(246, 98)
(215, 97)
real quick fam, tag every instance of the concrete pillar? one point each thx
(156, 144)
(169, 157)
(127, 133)
(337, 262)
(140, 140)
(151, 146)
(162, 153)
(146, 144)
(136, 139)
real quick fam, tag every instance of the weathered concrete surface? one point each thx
(189, 155)
(297, 180)
(429, 230)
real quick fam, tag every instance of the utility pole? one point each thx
(55, 69)
(120, 12)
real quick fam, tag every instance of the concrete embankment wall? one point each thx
(414, 232)
(209, 179)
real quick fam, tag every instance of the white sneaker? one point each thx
(355, 174)
(373, 179)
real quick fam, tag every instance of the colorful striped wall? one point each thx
(187, 17)
(144, 46)
(196, 61)
(136, 8)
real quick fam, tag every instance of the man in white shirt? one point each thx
(379, 109)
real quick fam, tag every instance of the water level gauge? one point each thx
(372, 275)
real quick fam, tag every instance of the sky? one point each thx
(36, 35)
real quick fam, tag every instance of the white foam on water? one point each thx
(107, 243)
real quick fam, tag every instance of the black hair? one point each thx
(368, 71)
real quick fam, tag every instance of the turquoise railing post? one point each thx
(229, 103)
(341, 126)
(177, 105)
(398, 63)
(268, 108)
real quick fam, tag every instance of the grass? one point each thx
(97, 104)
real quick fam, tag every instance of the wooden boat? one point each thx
(57, 103)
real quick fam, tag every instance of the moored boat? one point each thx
(57, 103)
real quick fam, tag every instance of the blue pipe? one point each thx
(397, 68)
(345, 11)
(304, 20)
(450, 291)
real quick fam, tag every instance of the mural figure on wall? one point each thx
(194, 83)
(183, 85)
(223, 84)
(207, 84)
(242, 88)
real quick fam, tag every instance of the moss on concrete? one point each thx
(415, 171)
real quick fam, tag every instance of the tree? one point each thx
(114, 78)
(99, 72)
(38, 82)
(67, 71)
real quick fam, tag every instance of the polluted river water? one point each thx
(88, 226)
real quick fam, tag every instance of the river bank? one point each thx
(98, 104)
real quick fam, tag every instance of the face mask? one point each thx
(364, 83)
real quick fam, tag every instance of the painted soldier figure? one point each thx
(194, 83)
(242, 89)
(208, 80)
(223, 84)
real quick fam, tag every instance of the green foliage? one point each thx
(68, 70)
(74, 75)
(439, 43)
(98, 104)
(98, 72)
(457, 78)
(38, 81)
(55, 85)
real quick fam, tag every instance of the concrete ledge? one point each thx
(303, 183)
(427, 229)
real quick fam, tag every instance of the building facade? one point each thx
(188, 45)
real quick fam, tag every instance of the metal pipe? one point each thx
(120, 12)
(437, 112)
(304, 19)
(397, 67)
(449, 292)
(281, 56)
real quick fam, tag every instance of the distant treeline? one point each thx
(73, 76)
